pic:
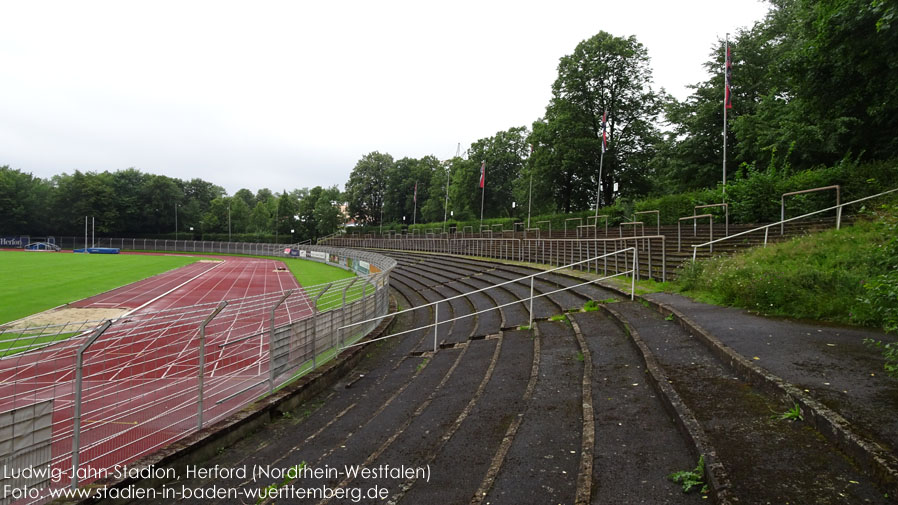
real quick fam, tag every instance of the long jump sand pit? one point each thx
(67, 316)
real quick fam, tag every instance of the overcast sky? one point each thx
(290, 94)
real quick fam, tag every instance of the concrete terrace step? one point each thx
(768, 460)
(575, 411)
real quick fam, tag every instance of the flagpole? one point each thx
(482, 191)
(726, 98)
(415, 212)
(530, 194)
(599, 192)
(601, 162)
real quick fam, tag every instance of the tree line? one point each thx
(132, 203)
(814, 85)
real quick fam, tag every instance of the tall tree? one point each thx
(24, 203)
(604, 73)
(366, 187)
(326, 212)
(399, 193)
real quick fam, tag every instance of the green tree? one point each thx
(84, 194)
(24, 203)
(326, 212)
(307, 226)
(366, 187)
(399, 193)
(843, 66)
(240, 215)
(262, 218)
(434, 208)
(247, 196)
(604, 73)
(286, 212)
(158, 197)
(504, 154)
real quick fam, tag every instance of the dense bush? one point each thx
(846, 275)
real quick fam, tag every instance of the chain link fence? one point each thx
(121, 389)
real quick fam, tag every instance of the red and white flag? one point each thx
(728, 76)
(482, 173)
(604, 131)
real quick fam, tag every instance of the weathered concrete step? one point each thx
(418, 440)
(487, 322)
(543, 461)
(631, 422)
(460, 329)
(768, 460)
(465, 459)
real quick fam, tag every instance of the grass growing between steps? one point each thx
(845, 276)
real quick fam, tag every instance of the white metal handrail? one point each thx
(767, 227)
(823, 188)
(726, 216)
(435, 304)
(657, 214)
(695, 218)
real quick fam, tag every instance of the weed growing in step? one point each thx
(422, 364)
(560, 318)
(591, 306)
(579, 356)
(793, 414)
(609, 300)
(670, 317)
(526, 327)
(692, 479)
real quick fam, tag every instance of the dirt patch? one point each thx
(72, 317)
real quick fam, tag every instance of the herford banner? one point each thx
(14, 241)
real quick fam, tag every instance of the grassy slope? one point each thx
(821, 276)
(38, 281)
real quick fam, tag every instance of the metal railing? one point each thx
(812, 190)
(547, 251)
(135, 384)
(726, 216)
(657, 214)
(695, 218)
(595, 221)
(531, 278)
(766, 227)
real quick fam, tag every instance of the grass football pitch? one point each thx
(35, 282)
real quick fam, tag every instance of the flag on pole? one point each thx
(604, 131)
(415, 197)
(728, 98)
(482, 173)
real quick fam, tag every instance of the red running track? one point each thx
(140, 378)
